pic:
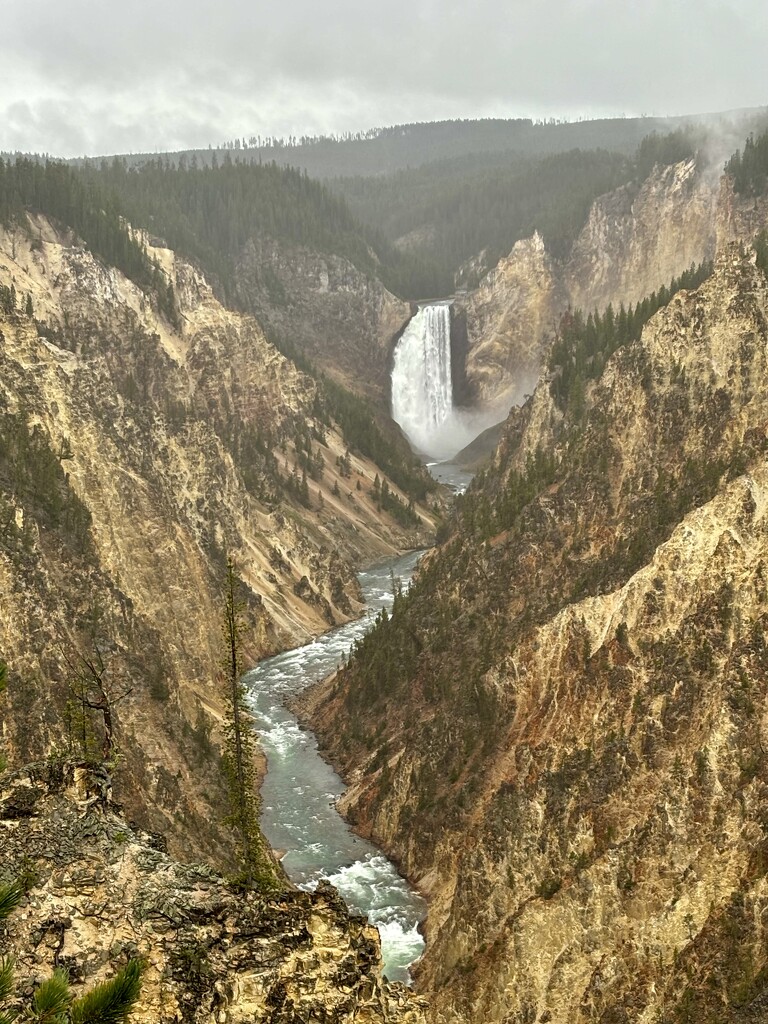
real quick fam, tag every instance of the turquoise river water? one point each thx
(300, 789)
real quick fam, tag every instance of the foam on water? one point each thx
(300, 791)
(373, 887)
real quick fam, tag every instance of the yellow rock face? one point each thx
(151, 426)
(635, 240)
(510, 313)
(575, 770)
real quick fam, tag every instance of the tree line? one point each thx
(93, 213)
(413, 229)
(458, 213)
(383, 151)
(584, 345)
(208, 213)
(748, 167)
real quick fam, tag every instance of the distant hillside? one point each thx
(421, 207)
(381, 151)
(456, 218)
(442, 216)
(386, 150)
(413, 230)
(210, 213)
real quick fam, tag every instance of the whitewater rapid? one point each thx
(422, 388)
(300, 789)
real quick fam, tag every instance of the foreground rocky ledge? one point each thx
(101, 891)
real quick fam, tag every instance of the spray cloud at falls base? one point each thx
(422, 388)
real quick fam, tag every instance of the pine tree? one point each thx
(112, 1001)
(257, 870)
(3, 758)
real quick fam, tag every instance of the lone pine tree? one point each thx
(257, 869)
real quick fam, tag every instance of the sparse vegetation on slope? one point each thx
(589, 642)
(133, 456)
(107, 904)
(55, 189)
(585, 344)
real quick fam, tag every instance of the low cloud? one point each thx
(83, 77)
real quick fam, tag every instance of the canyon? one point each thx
(137, 453)
(556, 734)
(573, 694)
(161, 449)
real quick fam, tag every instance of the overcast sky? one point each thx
(102, 76)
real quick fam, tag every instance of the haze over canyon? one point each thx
(383, 556)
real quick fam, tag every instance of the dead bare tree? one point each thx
(94, 693)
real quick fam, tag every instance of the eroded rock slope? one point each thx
(135, 455)
(635, 240)
(100, 892)
(345, 322)
(561, 731)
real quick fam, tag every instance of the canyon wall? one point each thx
(635, 240)
(136, 455)
(514, 308)
(343, 321)
(560, 731)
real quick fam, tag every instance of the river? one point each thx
(300, 789)
(453, 476)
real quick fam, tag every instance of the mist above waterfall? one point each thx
(422, 388)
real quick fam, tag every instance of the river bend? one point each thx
(300, 789)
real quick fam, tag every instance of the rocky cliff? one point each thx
(100, 892)
(341, 320)
(560, 732)
(635, 240)
(134, 455)
(520, 299)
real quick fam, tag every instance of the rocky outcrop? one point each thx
(520, 299)
(635, 240)
(739, 216)
(100, 892)
(572, 763)
(341, 320)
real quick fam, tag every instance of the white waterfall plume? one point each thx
(422, 389)
(422, 392)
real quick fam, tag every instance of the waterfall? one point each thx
(422, 391)
(422, 388)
